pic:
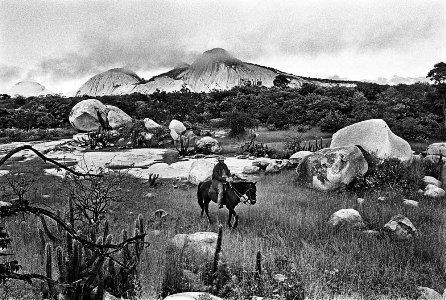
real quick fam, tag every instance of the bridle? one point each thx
(242, 197)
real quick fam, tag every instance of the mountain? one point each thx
(215, 69)
(114, 81)
(28, 89)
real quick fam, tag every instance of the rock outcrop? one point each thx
(116, 117)
(375, 137)
(297, 157)
(151, 125)
(86, 115)
(331, 168)
(192, 296)
(436, 149)
(112, 82)
(28, 89)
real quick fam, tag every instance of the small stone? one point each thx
(411, 203)
(175, 186)
(149, 195)
(46, 196)
(381, 199)
(3, 203)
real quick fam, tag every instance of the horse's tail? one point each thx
(199, 195)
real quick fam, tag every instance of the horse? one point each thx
(235, 192)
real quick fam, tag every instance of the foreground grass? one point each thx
(287, 225)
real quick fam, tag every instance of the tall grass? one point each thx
(288, 226)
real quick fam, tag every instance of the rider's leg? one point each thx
(220, 194)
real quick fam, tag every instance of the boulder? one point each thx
(273, 168)
(434, 191)
(117, 118)
(177, 126)
(410, 203)
(401, 228)
(192, 296)
(375, 137)
(208, 144)
(262, 163)
(428, 294)
(85, 115)
(201, 170)
(199, 245)
(346, 218)
(331, 168)
(297, 157)
(436, 149)
(150, 124)
(432, 180)
(251, 170)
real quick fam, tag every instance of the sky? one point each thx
(62, 43)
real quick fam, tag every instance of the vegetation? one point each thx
(412, 111)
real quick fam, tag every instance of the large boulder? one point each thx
(201, 170)
(434, 191)
(432, 180)
(429, 294)
(199, 244)
(297, 157)
(375, 137)
(208, 144)
(332, 168)
(151, 125)
(176, 128)
(346, 218)
(85, 115)
(192, 296)
(117, 118)
(436, 149)
(401, 228)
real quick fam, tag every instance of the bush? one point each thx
(332, 122)
(279, 119)
(238, 122)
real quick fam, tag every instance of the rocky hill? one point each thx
(215, 69)
(28, 89)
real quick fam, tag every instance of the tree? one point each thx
(281, 81)
(438, 76)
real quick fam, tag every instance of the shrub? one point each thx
(238, 122)
(332, 122)
(279, 119)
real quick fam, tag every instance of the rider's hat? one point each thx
(221, 158)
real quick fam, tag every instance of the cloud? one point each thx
(9, 73)
(145, 35)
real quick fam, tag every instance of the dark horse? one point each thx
(235, 192)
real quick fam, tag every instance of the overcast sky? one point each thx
(61, 44)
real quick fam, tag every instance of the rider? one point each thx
(220, 175)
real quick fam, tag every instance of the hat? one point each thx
(221, 157)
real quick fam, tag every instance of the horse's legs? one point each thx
(229, 217)
(236, 219)
(206, 209)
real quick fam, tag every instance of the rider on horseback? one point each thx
(220, 175)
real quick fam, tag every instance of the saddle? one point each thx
(213, 192)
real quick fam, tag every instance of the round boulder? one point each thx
(117, 118)
(208, 144)
(375, 137)
(297, 157)
(150, 124)
(431, 180)
(201, 170)
(436, 149)
(86, 115)
(177, 126)
(346, 218)
(434, 191)
(331, 168)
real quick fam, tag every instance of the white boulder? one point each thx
(331, 168)
(177, 126)
(410, 203)
(434, 191)
(150, 124)
(85, 115)
(436, 149)
(297, 157)
(431, 180)
(375, 137)
(117, 118)
(273, 168)
(198, 244)
(192, 296)
(346, 217)
(201, 170)
(208, 144)
(401, 228)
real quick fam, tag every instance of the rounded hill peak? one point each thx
(28, 89)
(107, 82)
(124, 71)
(216, 55)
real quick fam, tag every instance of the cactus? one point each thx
(152, 179)
(217, 251)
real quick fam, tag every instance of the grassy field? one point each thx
(287, 225)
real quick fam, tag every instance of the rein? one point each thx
(243, 198)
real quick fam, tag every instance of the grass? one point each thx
(287, 225)
(21, 135)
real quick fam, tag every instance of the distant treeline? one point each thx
(412, 111)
